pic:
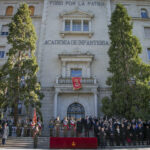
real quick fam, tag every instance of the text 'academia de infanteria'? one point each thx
(76, 42)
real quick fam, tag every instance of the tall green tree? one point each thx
(19, 73)
(129, 75)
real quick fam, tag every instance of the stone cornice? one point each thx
(76, 13)
(76, 56)
(140, 19)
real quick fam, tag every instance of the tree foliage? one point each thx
(19, 73)
(129, 80)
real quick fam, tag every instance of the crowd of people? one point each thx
(24, 129)
(108, 131)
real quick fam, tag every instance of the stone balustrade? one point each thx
(68, 80)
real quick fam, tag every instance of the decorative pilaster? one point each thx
(63, 69)
(55, 103)
(95, 102)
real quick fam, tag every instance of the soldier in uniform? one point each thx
(51, 127)
(25, 128)
(72, 126)
(65, 126)
(35, 135)
(57, 126)
(18, 130)
(40, 126)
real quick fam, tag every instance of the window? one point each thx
(2, 54)
(85, 25)
(76, 22)
(148, 52)
(147, 32)
(144, 13)
(4, 30)
(76, 110)
(67, 25)
(19, 108)
(9, 11)
(76, 72)
(76, 25)
(31, 8)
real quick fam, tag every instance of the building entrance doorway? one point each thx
(76, 110)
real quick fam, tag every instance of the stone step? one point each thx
(25, 142)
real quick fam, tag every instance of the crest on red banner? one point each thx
(34, 120)
(76, 81)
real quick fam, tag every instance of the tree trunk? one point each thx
(16, 112)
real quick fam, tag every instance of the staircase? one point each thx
(25, 142)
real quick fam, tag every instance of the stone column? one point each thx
(55, 103)
(63, 69)
(90, 26)
(70, 25)
(95, 103)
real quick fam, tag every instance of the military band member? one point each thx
(72, 126)
(51, 127)
(18, 130)
(57, 126)
(25, 128)
(65, 126)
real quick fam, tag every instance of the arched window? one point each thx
(9, 11)
(76, 110)
(144, 13)
(31, 8)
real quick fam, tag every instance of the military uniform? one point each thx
(35, 136)
(25, 129)
(51, 127)
(18, 130)
(72, 126)
(57, 127)
(79, 128)
(66, 127)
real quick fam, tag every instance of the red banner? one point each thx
(76, 81)
(73, 143)
(34, 120)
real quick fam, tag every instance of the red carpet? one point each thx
(81, 143)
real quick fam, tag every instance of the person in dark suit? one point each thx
(128, 134)
(134, 134)
(123, 134)
(102, 138)
(140, 134)
(117, 135)
(111, 135)
(147, 134)
(79, 128)
(87, 125)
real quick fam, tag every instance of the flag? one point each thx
(34, 120)
(76, 81)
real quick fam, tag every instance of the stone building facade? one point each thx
(72, 41)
